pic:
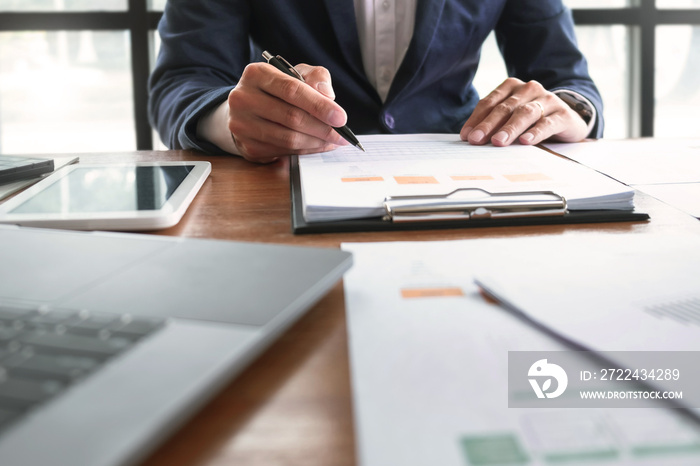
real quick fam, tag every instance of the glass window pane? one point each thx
(154, 48)
(63, 5)
(156, 5)
(677, 88)
(677, 3)
(492, 70)
(607, 50)
(65, 91)
(597, 3)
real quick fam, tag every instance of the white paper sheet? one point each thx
(638, 161)
(667, 169)
(684, 196)
(428, 362)
(347, 183)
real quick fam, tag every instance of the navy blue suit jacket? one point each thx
(206, 44)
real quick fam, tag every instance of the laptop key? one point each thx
(91, 325)
(63, 366)
(76, 343)
(8, 334)
(15, 391)
(47, 319)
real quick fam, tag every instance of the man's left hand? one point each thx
(522, 111)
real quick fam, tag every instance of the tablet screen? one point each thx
(108, 189)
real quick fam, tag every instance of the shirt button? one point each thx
(389, 121)
(384, 73)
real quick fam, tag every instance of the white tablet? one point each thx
(125, 197)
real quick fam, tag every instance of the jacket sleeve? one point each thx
(204, 48)
(537, 40)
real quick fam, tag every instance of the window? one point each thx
(73, 74)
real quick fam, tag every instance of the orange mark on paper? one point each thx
(527, 177)
(416, 180)
(409, 293)
(361, 178)
(472, 177)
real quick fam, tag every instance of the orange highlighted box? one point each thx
(472, 177)
(361, 178)
(416, 180)
(443, 292)
(527, 177)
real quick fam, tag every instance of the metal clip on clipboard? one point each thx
(473, 204)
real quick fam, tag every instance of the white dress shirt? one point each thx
(385, 28)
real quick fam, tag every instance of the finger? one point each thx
(280, 139)
(262, 152)
(564, 125)
(300, 121)
(544, 128)
(523, 117)
(301, 95)
(502, 111)
(317, 77)
(249, 106)
(486, 105)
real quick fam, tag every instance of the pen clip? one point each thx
(268, 56)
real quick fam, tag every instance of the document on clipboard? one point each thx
(436, 179)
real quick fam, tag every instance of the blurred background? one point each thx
(73, 72)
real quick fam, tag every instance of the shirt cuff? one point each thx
(580, 105)
(213, 127)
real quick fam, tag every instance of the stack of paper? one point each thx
(347, 184)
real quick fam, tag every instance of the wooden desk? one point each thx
(293, 406)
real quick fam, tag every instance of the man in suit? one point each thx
(389, 66)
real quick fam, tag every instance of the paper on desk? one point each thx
(345, 183)
(429, 373)
(684, 196)
(638, 161)
(11, 188)
(667, 169)
(608, 293)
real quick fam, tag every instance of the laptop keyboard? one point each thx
(42, 352)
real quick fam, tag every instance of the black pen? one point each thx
(284, 66)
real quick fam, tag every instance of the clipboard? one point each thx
(438, 212)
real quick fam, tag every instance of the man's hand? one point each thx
(525, 112)
(272, 114)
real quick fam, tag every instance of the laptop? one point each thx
(108, 341)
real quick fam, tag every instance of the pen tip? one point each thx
(359, 146)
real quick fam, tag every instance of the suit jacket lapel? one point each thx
(342, 15)
(428, 14)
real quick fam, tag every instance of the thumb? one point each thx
(317, 77)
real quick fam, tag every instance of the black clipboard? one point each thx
(301, 226)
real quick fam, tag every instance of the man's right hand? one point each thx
(272, 114)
